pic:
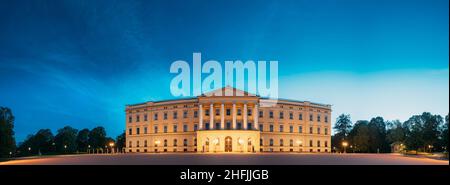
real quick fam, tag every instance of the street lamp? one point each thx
(345, 144)
(111, 144)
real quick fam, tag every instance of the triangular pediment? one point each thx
(228, 91)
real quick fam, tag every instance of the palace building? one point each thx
(210, 123)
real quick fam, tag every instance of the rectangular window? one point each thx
(217, 126)
(165, 128)
(228, 112)
(271, 128)
(156, 129)
(130, 119)
(261, 127)
(261, 113)
(300, 116)
(300, 129)
(185, 114)
(185, 142)
(195, 114)
(207, 126)
(249, 126)
(228, 125)
(137, 118)
(310, 130)
(318, 118)
(326, 119)
(326, 131)
(137, 131)
(175, 115)
(271, 114)
(318, 130)
(291, 129)
(175, 142)
(207, 112)
(130, 131)
(239, 126)
(185, 128)
(291, 115)
(281, 115)
(145, 117)
(281, 128)
(217, 112)
(310, 117)
(165, 115)
(239, 112)
(318, 143)
(175, 128)
(145, 130)
(195, 127)
(155, 116)
(249, 112)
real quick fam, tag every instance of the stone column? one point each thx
(200, 121)
(245, 116)
(256, 116)
(234, 115)
(222, 116)
(211, 116)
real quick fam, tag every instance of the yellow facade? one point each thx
(213, 123)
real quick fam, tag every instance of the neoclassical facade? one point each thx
(241, 122)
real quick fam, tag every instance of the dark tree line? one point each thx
(420, 133)
(67, 139)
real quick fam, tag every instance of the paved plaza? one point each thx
(226, 159)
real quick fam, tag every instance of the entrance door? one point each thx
(228, 145)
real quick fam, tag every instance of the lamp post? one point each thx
(345, 144)
(65, 148)
(111, 144)
(89, 149)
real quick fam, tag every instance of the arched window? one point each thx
(165, 142)
(271, 142)
(318, 143)
(311, 143)
(291, 142)
(145, 143)
(137, 143)
(175, 142)
(281, 142)
(130, 144)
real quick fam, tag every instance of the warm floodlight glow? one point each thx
(111, 144)
(216, 141)
(157, 142)
(241, 141)
(344, 144)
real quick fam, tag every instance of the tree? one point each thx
(7, 140)
(444, 133)
(342, 127)
(43, 141)
(83, 140)
(97, 137)
(377, 135)
(120, 141)
(431, 126)
(359, 136)
(66, 140)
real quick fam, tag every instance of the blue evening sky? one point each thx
(79, 63)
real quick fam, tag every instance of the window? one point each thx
(185, 142)
(156, 129)
(239, 112)
(291, 115)
(239, 125)
(195, 127)
(291, 129)
(137, 143)
(137, 131)
(175, 115)
(155, 116)
(281, 115)
(130, 131)
(228, 125)
(206, 126)
(165, 128)
(271, 142)
(185, 128)
(271, 114)
(300, 129)
(145, 130)
(261, 127)
(130, 119)
(249, 112)
(300, 116)
(318, 118)
(318, 143)
(175, 141)
(217, 112)
(261, 113)
(310, 143)
(207, 112)
(326, 131)
(185, 114)
(130, 144)
(195, 142)
(137, 118)
(145, 143)
(175, 128)
(228, 112)
(281, 128)
(318, 130)
(165, 142)
(261, 142)
(281, 142)
(195, 114)
(271, 128)
(326, 119)
(165, 115)
(249, 126)
(310, 117)
(145, 117)
(310, 130)
(326, 144)
(217, 126)
(291, 142)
